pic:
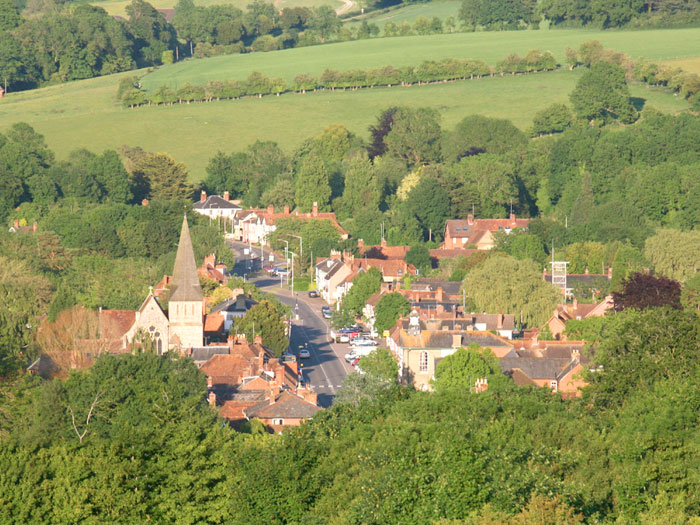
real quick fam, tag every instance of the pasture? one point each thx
(85, 115)
(440, 8)
(400, 51)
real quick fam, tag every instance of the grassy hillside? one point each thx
(490, 46)
(84, 114)
(118, 7)
(440, 8)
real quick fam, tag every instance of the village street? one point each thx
(326, 368)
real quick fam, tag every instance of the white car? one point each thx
(350, 356)
(363, 341)
(304, 353)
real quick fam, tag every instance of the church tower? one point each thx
(185, 305)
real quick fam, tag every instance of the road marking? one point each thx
(320, 365)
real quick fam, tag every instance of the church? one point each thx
(182, 327)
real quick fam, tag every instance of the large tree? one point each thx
(602, 93)
(389, 309)
(267, 321)
(313, 184)
(462, 369)
(674, 253)
(164, 178)
(642, 291)
(415, 136)
(506, 285)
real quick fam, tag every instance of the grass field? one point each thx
(118, 7)
(692, 64)
(440, 8)
(84, 114)
(400, 51)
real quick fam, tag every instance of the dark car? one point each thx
(313, 293)
(326, 311)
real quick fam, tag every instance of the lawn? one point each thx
(400, 51)
(84, 114)
(118, 7)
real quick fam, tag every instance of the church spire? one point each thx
(185, 286)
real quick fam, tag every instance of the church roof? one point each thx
(185, 284)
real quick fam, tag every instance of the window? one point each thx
(423, 364)
(278, 421)
(459, 228)
(553, 385)
(399, 271)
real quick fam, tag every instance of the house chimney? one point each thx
(470, 219)
(314, 209)
(212, 398)
(203, 196)
(499, 322)
(271, 209)
(34, 226)
(439, 294)
(226, 196)
(383, 243)
(361, 245)
(609, 272)
(144, 202)
(258, 340)
(16, 223)
(286, 209)
(456, 340)
(575, 303)
(512, 219)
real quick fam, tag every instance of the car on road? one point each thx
(270, 270)
(304, 353)
(350, 356)
(313, 294)
(363, 341)
(326, 311)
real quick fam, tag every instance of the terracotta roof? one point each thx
(200, 355)
(388, 267)
(227, 369)
(286, 405)
(185, 284)
(115, 323)
(271, 218)
(214, 323)
(463, 228)
(520, 378)
(385, 252)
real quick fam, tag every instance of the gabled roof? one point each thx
(115, 323)
(214, 322)
(385, 252)
(286, 405)
(536, 367)
(227, 369)
(469, 228)
(185, 285)
(203, 354)
(215, 202)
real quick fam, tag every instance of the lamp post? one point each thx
(301, 248)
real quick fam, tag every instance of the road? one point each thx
(326, 368)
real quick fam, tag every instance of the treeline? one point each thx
(521, 14)
(258, 84)
(55, 42)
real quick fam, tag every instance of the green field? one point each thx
(85, 115)
(441, 9)
(118, 7)
(400, 51)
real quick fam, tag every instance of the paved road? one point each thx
(326, 368)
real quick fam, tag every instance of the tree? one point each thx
(380, 130)
(279, 195)
(165, 178)
(313, 184)
(389, 309)
(602, 93)
(415, 136)
(690, 296)
(361, 190)
(584, 207)
(430, 204)
(364, 285)
(381, 364)
(9, 15)
(642, 291)
(461, 369)
(266, 320)
(506, 285)
(419, 256)
(553, 119)
(478, 134)
(674, 253)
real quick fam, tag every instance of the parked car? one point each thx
(282, 272)
(326, 311)
(350, 356)
(270, 270)
(304, 353)
(361, 340)
(313, 294)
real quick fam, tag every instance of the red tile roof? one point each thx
(214, 323)
(115, 323)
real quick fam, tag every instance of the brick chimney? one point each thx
(335, 254)
(456, 340)
(439, 294)
(212, 398)
(361, 245)
(609, 272)
(144, 202)
(308, 395)
(575, 303)
(512, 219)
(203, 196)
(16, 223)
(314, 210)
(226, 196)
(383, 243)
(499, 321)
(271, 209)
(274, 392)
(286, 209)
(470, 219)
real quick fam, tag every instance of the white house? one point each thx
(215, 206)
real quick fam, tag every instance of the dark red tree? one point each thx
(642, 290)
(385, 121)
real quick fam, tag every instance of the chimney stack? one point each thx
(512, 219)
(470, 219)
(575, 303)
(286, 209)
(203, 196)
(144, 202)
(314, 209)
(16, 223)
(609, 272)
(212, 398)
(271, 209)
(499, 322)
(226, 196)
(383, 242)
(456, 340)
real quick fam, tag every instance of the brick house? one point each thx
(567, 312)
(478, 233)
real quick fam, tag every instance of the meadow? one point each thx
(85, 115)
(400, 51)
(440, 8)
